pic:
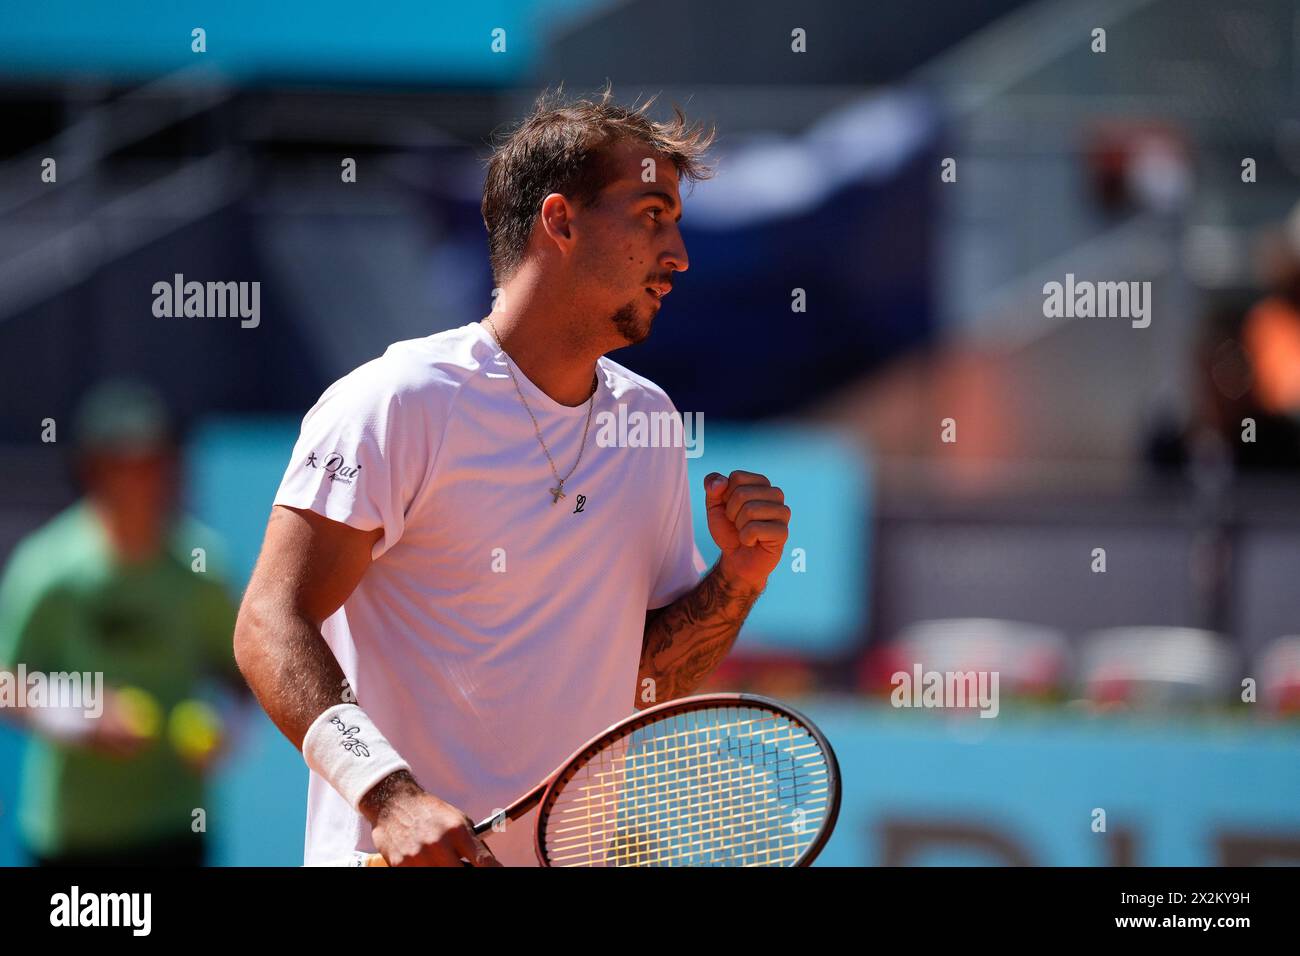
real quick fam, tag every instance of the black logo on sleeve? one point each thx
(337, 467)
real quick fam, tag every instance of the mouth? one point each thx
(656, 292)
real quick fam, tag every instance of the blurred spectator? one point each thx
(1247, 363)
(113, 585)
(1270, 336)
(1247, 368)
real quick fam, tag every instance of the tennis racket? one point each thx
(714, 780)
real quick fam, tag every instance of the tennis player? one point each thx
(459, 583)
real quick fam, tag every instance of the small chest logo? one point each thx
(581, 500)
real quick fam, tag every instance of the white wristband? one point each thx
(66, 725)
(348, 751)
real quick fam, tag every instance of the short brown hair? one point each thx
(561, 148)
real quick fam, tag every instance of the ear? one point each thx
(557, 219)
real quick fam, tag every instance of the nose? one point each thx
(676, 258)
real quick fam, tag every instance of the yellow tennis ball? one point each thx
(194, 729)
(140, 712)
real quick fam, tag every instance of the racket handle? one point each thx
(513, 812)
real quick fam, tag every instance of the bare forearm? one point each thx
(295, 677)
(686, 640)
(289, 668)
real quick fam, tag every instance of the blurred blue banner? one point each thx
(1023, 789)
(922, 790)
(816, 600)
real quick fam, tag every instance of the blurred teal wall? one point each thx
(332, 41)
(816, 600)
(1171, 791)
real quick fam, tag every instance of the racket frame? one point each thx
(541, 795)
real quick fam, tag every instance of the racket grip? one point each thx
(480, 828)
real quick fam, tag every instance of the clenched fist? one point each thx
(750, 522)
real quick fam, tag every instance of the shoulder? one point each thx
(54, 555)
(635, 390)
(645, 417)
(413, 375)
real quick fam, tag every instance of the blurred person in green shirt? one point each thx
(113, 586)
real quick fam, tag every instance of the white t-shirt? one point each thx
(495, 631)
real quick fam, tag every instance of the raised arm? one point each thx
(686, 640)
(749, 521)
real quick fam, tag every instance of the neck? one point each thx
(548, 344)
(132, 540)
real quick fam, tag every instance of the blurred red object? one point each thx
(772, 675)
(1156, 667)
(1136, 164)
(1278, 668)
(1030, 660)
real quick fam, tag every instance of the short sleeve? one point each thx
(682, 563)
(362, 455)
(35, 618)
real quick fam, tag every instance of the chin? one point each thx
(643, 330)
(635, 337)
(633, 328)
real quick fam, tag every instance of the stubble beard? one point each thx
(630, 326)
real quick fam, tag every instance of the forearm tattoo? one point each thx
(686, 640)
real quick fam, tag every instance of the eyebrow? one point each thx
(668, 201)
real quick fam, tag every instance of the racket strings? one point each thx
(709, 780)
(730, 812)
(732, 786)
(724, 810)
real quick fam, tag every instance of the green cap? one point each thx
(121, 415)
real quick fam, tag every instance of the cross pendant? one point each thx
(557, 493)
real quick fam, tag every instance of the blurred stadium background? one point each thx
(1120, 690)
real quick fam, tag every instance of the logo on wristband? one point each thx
(350, 742)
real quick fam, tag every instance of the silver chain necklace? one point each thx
(557, 492)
